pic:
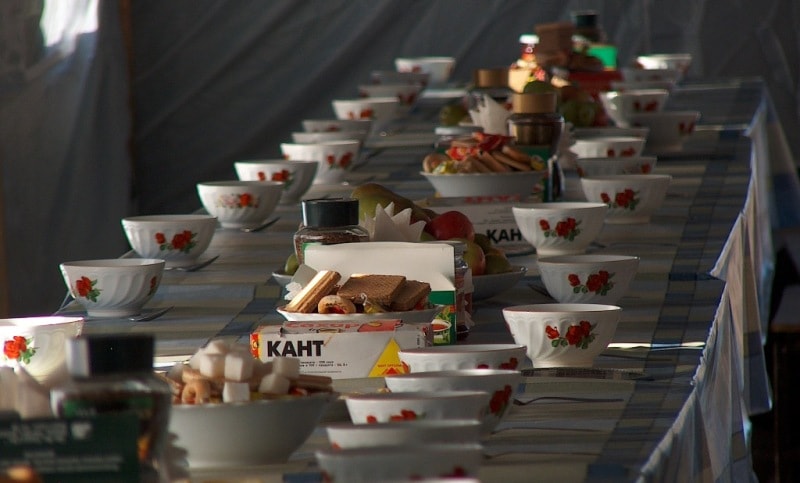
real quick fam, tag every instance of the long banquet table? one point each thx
(686, 366)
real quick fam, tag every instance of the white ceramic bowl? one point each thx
(611, 166)
(438, 68)
(406, 93)
(327, 136)
(178, 239)
(560, 228)
(240, 204)
(502, 384)
(383, 407)
(335, 158)
(610, 147)
(394, 77)
(589, 278)
(296, 175)
(668, 129)
(679, 61)
(609, 131)
(463, 356)
(631, 198)
(399, 433)
(333, 125)
(382, 110)
(116, 287)
(563, 335)
(519, 183)
(229, 435)
(619, 105)
(638, 74)
(38, 344)
(427, 462)
(622, 86)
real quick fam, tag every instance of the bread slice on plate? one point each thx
(378, 289)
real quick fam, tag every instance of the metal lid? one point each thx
(534, 103)
(330, 212)
(89, 355)
(491, 77)
(529, 39)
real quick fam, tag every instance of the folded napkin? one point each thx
(491, 116)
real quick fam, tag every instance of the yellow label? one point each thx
(389, 361)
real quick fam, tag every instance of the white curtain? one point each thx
(219, 80)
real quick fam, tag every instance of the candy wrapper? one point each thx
(491, 116)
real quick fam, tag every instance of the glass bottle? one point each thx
(536, 127)
(114, 374)
(328, 221)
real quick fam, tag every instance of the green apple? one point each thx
(473, 255)
(291, 264)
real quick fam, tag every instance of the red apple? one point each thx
(449, 225)
(474, 256)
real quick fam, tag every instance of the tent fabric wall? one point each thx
(215, 81)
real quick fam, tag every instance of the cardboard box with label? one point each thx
(490, 215)
(342, 349)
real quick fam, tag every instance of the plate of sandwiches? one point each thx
(362, 297)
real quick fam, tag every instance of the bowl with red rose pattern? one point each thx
(177, 239)
(588, 278)
(240, 204)
(560, 228)
(405, 92)
(608, 146)
(295, 174)
(382, 407)
(563, 335)
(362, 126)
(381, 110)
(343, 435)
(669, 130)
(462, 356)
(394, 77)
(619, 105)
(611, 166)
(450, 462)
(116, 287)
(335, 158)
(502, 384)
(631, 198)
(438, 68)
(38, 344)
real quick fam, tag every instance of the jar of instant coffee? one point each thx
(114, 374)
(328, 221)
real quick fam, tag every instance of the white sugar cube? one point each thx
(238, 366)
(217, 346)
(274, 383)
(288, 367)
(212, 365)
(235, 392)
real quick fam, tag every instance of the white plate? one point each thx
(409, 317)
(487, 286)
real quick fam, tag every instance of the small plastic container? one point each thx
(328, 221)
(114, 374)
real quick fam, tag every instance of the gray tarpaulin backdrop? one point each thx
(216, 81)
